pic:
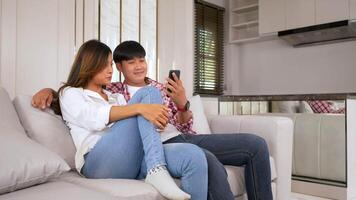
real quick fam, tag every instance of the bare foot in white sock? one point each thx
(160, 178)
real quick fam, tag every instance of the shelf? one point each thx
(245, 40)
(255, 38)
(247, 8)
(246, 24)
(243, 21)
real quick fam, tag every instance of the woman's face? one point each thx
(134, 71)
(104, 76)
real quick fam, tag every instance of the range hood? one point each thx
(320, 34)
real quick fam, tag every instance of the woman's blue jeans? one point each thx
(132, 145)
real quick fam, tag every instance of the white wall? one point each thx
(351, 148)
(274, 67)
(0, 34)
(37, 44)
(176, 40)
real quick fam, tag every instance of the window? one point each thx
(209, 50)
(121, 20)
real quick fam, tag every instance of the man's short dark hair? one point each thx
(128, 50)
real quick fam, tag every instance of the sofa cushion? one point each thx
(46, 128)
(200, 123)
(120, 188)
(56, 191)
(305, 107)
(25, 163)
(236, 177)
(9, 120)
(273, 168)
(136, 189)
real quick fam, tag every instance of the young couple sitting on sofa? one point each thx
(143, 129)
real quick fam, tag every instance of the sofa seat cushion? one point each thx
(137, 189)
(58, 190)
(120, 188)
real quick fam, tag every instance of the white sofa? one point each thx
(37, 156)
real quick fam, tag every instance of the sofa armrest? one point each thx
(278, 133)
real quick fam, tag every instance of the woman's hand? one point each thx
(157, 114)
(42, 99)
(178, 92)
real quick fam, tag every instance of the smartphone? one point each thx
(176, 72)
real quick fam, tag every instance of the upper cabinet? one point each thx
(271, 16)
(352, 9)
(300, 13)
(331, 10)
(243, 20)
(254, 18)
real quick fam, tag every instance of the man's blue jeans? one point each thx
(246, 150)
(131, 146)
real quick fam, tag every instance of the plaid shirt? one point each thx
(324, 107)
(118, 87)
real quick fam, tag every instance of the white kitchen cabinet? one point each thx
(331, 10)
(300, 13)
(272, 16)
(243, 20)
(352, 9)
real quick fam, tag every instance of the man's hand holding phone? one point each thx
(175, 89)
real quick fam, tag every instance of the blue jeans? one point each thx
(132, 145)
(246, 150)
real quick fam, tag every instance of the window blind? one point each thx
(209, 49)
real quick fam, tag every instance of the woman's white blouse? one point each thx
(86, 114)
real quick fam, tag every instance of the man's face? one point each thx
(134, 71)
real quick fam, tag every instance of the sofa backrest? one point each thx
(9, 120)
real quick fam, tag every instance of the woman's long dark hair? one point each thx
(91, 58)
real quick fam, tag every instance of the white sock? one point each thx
(160, 178)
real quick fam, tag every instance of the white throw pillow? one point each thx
(46, 128)
(337, 104)
(24, 163)
(200, 122)
(305, 107)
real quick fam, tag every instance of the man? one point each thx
(246, 150)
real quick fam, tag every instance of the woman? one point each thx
(115, 138)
